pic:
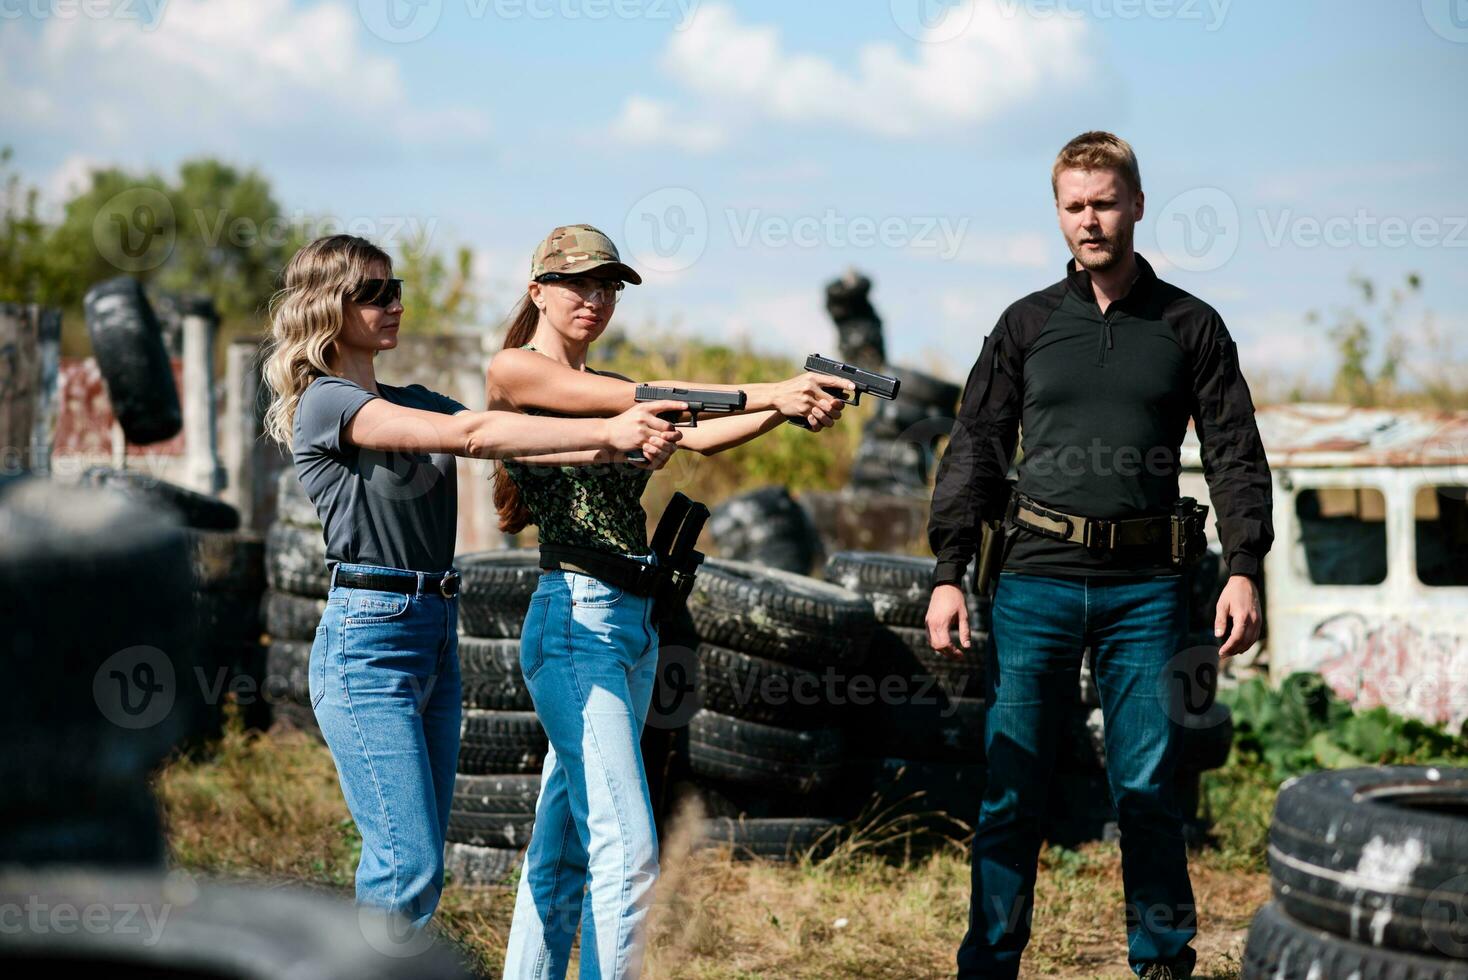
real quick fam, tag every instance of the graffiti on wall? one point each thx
(1419, 671)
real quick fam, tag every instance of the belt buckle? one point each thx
(1106, 529)
(443, 584)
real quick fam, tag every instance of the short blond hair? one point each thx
(1098, 150)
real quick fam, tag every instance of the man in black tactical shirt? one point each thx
(1102, 371)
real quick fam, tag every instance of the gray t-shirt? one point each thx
(393, 509)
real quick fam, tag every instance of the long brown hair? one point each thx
(306, 319)
(514, 515)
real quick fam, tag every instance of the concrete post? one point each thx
(203, 471)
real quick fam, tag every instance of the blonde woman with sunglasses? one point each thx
(378, 462)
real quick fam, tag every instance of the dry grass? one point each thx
(271, 807)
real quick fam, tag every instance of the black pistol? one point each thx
(865, 382)
(700, 401)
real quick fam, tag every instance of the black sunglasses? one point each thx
(380, 293)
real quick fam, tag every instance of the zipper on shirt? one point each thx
(1106, 340)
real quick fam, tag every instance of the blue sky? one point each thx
(744, 153)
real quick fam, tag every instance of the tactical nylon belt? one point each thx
(1093, 532)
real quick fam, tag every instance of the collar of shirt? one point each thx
(1079, 281)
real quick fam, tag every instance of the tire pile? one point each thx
(228, 581)
(1369, 873)
(295, 571)
(95, 703)
(896, 454)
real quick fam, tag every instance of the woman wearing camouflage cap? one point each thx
(589, 650)
(378, 462)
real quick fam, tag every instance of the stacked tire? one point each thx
(296, 576)
(896, 454)
(228, 577)
(918, 742)
(1369, 876)
(767, 750)
(503, 745)
(766, 527)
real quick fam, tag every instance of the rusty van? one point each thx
(1367, 582)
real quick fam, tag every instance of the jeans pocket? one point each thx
(373, 606)
(316, 666)
(587, 590)
(532, 649)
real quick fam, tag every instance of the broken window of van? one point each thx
(1343, 534)
(1442, 535)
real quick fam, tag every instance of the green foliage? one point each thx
(25, 275)
(1303, 726)
(438, 296)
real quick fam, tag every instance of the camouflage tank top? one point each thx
(596, 506)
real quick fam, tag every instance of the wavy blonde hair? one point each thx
(306, 318)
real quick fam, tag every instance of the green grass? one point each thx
(269, 807)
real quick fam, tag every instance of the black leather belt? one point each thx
(446, 585)
(619, 571)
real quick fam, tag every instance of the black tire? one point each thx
(742, 685)
(97, 689)
(292, 505)
(740, 751)
(898, 586)
(925, 724)
(490, 829)
(766, 527)
(784, 839)
(496, 591)
(295, 560)
(190, 508)
(780, 615)
(292, 617)
(945, 791)
(927, 390)
(493, 742)
(161, 926)
(127, 343)
(891, 419)
(490, 670)
(287, 665)
(480, 867)
(1281, 948)
(512, 794)
(227, 561)
(1376, 854)
(900, 651)
(895, 466)
(227, 619)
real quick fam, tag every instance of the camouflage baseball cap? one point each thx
(579, 248)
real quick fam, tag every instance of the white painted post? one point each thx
(203, 471)
(48, 390)
(242, 432)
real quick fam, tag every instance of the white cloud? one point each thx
(228, 76)
(997, 64)
(649, 122)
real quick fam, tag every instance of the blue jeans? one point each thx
(1040, 626)
(384, 682)
(589, 653)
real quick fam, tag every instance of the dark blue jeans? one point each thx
(1041, 624)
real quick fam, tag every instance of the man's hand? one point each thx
(1239, 603)
(946, 606)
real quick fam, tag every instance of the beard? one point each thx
(1099, 260)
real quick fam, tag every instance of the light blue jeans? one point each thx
(384, 682)
(589, 653)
